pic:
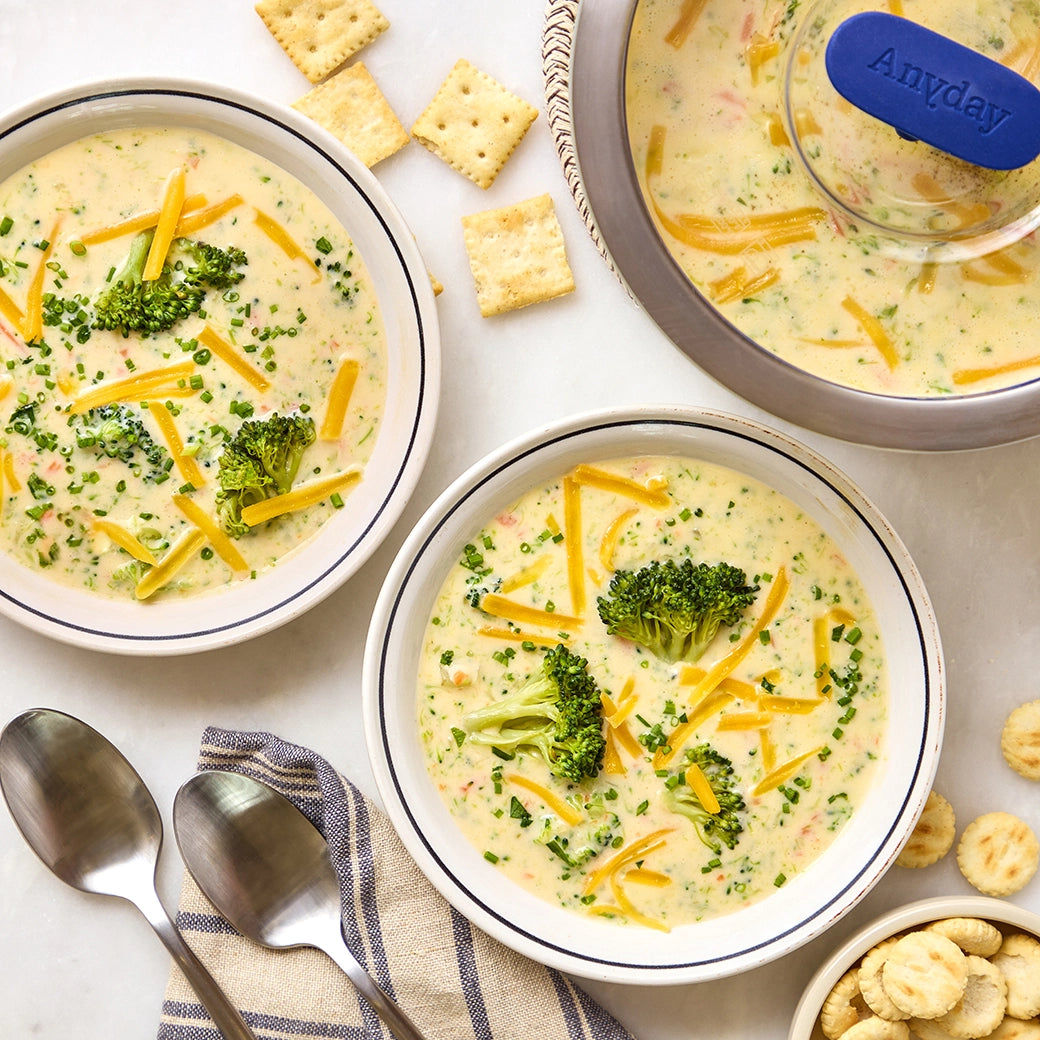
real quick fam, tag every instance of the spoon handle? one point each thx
(224, 1014)
(392, 1016)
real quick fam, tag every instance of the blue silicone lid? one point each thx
(931, 88)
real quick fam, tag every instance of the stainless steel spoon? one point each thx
(88, 815)
(267, 869)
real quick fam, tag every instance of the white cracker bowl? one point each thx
(1006, 916)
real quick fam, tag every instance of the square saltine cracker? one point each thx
(474, 123)
(319, 35)
(353, 109)
(517, 255)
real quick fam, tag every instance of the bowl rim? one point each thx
(589, 123)
(37, 604)
(388, 704)
(898, 919)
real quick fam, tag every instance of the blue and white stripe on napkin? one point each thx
(453, 981)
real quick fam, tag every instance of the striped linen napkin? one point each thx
(452, 980)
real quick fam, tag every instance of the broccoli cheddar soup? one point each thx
(724, 134)
(193, 363)
(652, 690)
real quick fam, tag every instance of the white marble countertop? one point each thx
(78, 966)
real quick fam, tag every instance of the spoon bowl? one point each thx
(81, 808)
(269, 871)
(85, 811)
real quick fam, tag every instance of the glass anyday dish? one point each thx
(586, 48)
(588, 946)
(248, 608)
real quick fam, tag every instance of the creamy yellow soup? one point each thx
(300, 334)
(793, 695)
(839, 296)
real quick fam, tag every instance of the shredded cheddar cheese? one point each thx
(616, 716)
(995, 269)
(517, 635)
(281, 238)
(166, 225)
(141, 386)
(223, 545)
(874, 330)
(722, 668)
(712, 704)
(928, 276)
(592, 476)
(966, 376)
(738, 285)
(758, 52)
(138, 222)
(573, 543)
(688, 15)
(612, 764)
(11, 311)
(208, 337)
(191, 223)
(339, 399)
(500, 606)
(701, 788)
(10, 474)
(32, 322)
(566, 812)
(790, 705)
(186, 464)
(528, 576)
(777, 776)
(745, 720)
(616, 713)
(767, 749)
(642, 876)
(628, 908)
(175, 559)
(609, 542)
(823, 626)
(630, 853)
(309, 494)
(124, 539)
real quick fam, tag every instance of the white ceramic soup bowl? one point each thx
(1008, 917)
(589, 946)
(248, 608)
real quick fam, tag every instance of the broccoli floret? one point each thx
(556, 713)
(215, 267)
(580, 844)
(116, 431)
(675, 609)
(715, 829)
(131, 304)
(259, 462)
